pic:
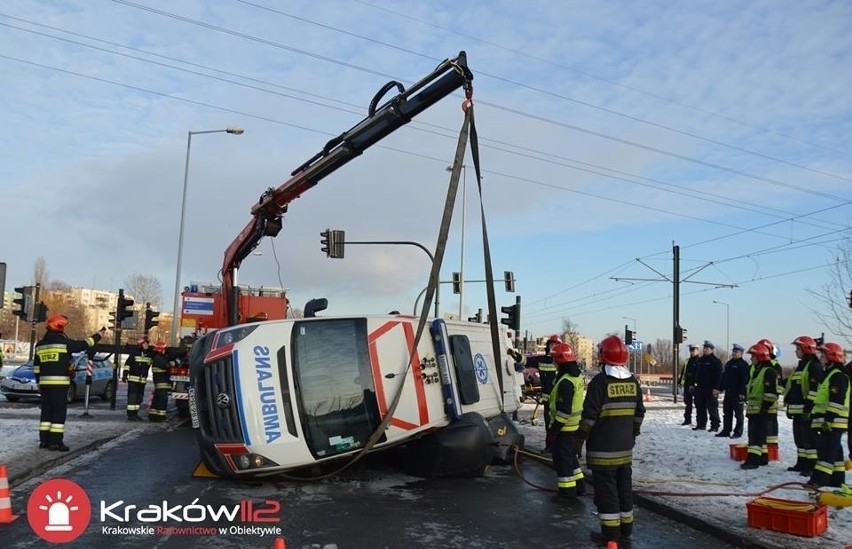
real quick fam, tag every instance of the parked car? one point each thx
(22, 384)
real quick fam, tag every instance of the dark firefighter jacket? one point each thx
(53, 357)
(136, 367)
(802, 385)
(612, 416)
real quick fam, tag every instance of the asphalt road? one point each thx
(371, 505)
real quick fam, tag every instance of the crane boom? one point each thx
(380, 122)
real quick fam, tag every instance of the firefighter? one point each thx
(687, 381)
(761, 403)
(53, 370)
(566, 405)
(799, 396)
(830, 418)
(135, 374)
(772, 427)
(160, 370)
(547, 375)
(611, 420)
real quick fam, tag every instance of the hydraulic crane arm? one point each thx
(380, 122)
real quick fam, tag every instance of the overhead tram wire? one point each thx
(493, 105)
(683, 192)
(550, 93)
(605, 80)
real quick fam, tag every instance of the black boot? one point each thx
(60, 447)
(723, 434)
(687, 422)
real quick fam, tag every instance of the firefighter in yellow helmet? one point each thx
(566, 406)
(52, 368)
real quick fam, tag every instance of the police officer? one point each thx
(734, 384)
(547, 376)
(612, 416)
(708, 376)
(162, 386)
(762, 402)
(830, 418)
(566, 405)
(135, 374)
(52, 367)
(687, 381)
(799, 396)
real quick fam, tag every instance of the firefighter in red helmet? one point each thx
(160, 372)
(830, 418)
(612, 416)
(799, 397)
(761, 404)
(566, 405)
(52, 367)
(547, 375)
(135, 374)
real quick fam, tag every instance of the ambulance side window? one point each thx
(465, 372)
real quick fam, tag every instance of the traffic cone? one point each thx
(6, 515)
(279, 544)
(647, 399)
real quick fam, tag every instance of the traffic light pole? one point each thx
(33, 321)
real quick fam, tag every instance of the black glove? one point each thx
(636, 431)
(124, 377)
(579, 440)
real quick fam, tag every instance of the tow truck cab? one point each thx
(276, 396)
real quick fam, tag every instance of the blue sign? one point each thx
(481, 368)
(198, 306)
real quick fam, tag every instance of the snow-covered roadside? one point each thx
(673, 458)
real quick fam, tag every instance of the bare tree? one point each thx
(662, 352)
(833, 297)
(40, 272)
(570, 332)
(144, 289)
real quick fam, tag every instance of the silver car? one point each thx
(21, 383)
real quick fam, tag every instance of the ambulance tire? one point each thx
(462, 449)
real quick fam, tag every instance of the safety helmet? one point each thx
(555, 339)
(611, 350)
(562, 353)
(57, 323)
(773, 350)
(833, 352)
(760, 351)
(806, 344)
(159, 346)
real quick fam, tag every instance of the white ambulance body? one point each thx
(280, 395)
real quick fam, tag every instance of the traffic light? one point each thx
(125, 306)
(850, 299)
(332, 243)
(628, 336)
(326, 242)
(40, 312)
(150, 317)
(680, 335)
(513, 315)
(23, 303)
(112, 323)
(456, 283)
(509, 280)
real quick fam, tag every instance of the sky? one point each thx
(609, 133)
(667, 458)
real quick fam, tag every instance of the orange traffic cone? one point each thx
(6, 515)
(279, 544)
(647, 399)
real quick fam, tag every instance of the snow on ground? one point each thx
(673, 458)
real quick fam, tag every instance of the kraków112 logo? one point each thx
(59, 510)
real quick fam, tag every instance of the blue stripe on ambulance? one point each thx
(438, 329)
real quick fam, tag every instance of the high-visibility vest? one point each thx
(756, 394)
(569, 422)
(823, 404)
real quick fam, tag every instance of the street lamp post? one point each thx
(634, 342)
(233, 130)
(727, 324)
(464, 209)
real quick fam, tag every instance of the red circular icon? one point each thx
(59, 510)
